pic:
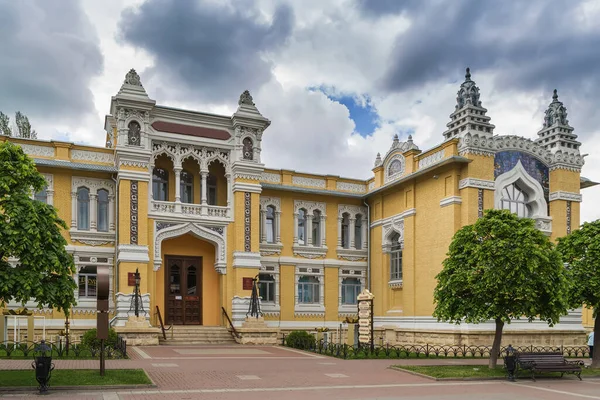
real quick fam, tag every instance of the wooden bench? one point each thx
(547, 362)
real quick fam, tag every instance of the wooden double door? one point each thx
(183, 290)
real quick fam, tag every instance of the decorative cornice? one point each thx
(404, 214)
(567, 196)
(310, 206)
(35, 150)
(133, 253)
(93, 184)
(133, 163)
(270, 201)
(395, 284)
(351, 187)
(247, 187)
(243, 259)
(94, 156)
(450, 200)
(352, 254)
(351, 210)
(476, 183)
(371, 185)
(270, 177)
(310, 252)
(311, 182)
(92, 238)
(431, 159)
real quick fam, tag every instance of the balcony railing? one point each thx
(199, 210)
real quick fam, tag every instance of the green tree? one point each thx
(24, 127)
(501, 268)
(581, 252)
(30, 233)
(5, 125)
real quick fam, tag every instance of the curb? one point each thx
(27, 389)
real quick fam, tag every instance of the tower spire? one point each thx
(556, 133)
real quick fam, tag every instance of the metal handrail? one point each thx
(237, 335)
(162, 326)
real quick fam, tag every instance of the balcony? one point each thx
(187, 211)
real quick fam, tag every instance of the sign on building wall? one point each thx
(365, 317)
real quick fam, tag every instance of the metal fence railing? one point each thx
(60, 349)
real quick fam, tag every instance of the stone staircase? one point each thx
(197, 335)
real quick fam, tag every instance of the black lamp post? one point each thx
(510, 362)
(137, 292)
(43, 366)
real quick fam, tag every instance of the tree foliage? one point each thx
(581, 252)
(30, 234)
(501, 268)
(22, 124)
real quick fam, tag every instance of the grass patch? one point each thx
(477, 371)
(76, 377)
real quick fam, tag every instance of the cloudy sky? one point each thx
(337, 78)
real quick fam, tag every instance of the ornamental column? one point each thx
(339, 238)
(277, 226)
(74, 210)
(263, 226)
(352, 233)
(93, 211)
(364, 228)
(203, 195)
(322, 228)
(111, 213)
(177, 189)
(229, 193)
(295, 229)
(308, 238)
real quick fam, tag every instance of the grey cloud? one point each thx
(208, 51)
(49, 53)
(378, 8)
(530, 46)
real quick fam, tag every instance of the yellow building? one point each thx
(182, 196)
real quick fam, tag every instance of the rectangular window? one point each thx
(87, 282)
(308, 290)
(350, 290)
(396, 265)
(266, 288)
(42, 195)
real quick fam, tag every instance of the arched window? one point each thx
(350, 290)
(302, 226)
(133, 135)
(83, 208)
(358, 232)
(345, 231)
(186, 187)
(308, 290)
(247, 148)
(316, 228)
(515, 200)
(102, 216)
(211, 186)
(270, 224)
(160, 184)
(266, 287)
(396, 258)
(395, 167)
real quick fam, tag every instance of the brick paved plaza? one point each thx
(235, 372)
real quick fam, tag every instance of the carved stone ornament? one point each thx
(351, 187)
(247, 221)
(312, 182)
(271, 178)
(132, 78)
(246, 98)
(391, 226)
(203, 155)
(133, 135)
(431, 159)
(133, 236)
(92, 156)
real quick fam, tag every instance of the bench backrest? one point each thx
(541, 358)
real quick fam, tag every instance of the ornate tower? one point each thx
(556, 134)
(469, 116)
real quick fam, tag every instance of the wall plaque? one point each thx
(247, 283)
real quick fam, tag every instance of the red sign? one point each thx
(131, 278)
(247, 283)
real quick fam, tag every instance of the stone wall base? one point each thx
(136, 336)
(256, 331)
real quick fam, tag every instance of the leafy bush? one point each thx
(300, 340)
(89, 339)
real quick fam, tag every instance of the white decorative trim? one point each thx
(93, 184)
(398, 174)
(530, 186)
(325, 262)
(243, 259)
(94, 156)
(133, 253)
(567, 196)
(305, 181)
(247, 187)
(431, 159)
(92, 238)
(477, 144)
(270, 201)
(35, 150)
(270, 249)
(271, 178)
(476, 183)
(391, 226)
(395, 284)
(352, 254)
(132, 163)
(314, 309)
(239, 309)
(310, 251)
(198, 231)
(450, 200)
(544, 224)
(357, 273)
(352, 210)
(351, 187)
(371, 185)
(404, 214)
(310, 206)
(49, 189)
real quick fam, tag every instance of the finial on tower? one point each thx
(468, 74)
(132, 78)
(246, 98)
(378, 161)
(555, 95)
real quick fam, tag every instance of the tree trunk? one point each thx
(496, 346)
(596, 358)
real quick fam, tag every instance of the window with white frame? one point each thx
(186, 187)
(515, 200)
(346, 231)
(102, 210)
(160, 184)
(316, 228)
(302, 227)
(211, 186)
(308, 290)
(83, 209)
(46, 193)
(358, 232)
(270, 224)
(266, 287)
(351, 288)
(351, 283)
(87, 279)
(395, 258)
(42, 195)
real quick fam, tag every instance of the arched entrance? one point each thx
(189, 275)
